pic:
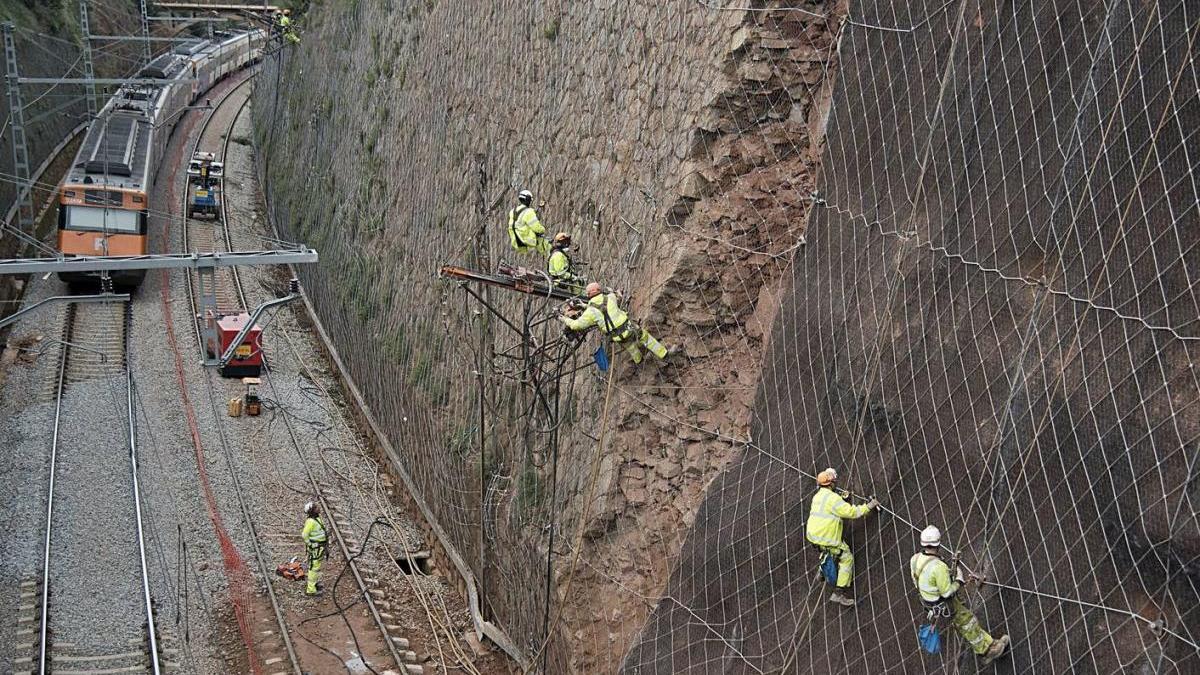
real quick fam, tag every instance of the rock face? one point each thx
(675, 141)
(991, 327)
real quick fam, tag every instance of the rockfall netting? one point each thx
(992, 327)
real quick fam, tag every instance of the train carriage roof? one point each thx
(114, 150)
(165, 67)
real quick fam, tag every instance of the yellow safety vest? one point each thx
(313, 532)
(559, 266)
(932, 577)
(524, 228)
(825, 517)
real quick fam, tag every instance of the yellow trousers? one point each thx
(967, 626)
(845, 563)
(316, 554)
(644, 339)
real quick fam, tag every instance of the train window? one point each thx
(89, 219)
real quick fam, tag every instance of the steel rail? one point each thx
(237, 281)
(62, 376)
(137, 497)
(151, 632)
(264, 570)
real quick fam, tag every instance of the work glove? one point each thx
(873, 504)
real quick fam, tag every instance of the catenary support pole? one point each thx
(89, 72)
(145, 32)
(20, 147)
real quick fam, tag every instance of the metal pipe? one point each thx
(146, 81)
(241, 334)
(493, 310)
(103, 297)
(126, 38)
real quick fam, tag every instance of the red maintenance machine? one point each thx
(233, 342)
(245, 357)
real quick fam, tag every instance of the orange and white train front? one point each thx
(102, 221)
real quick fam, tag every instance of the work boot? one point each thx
(998, 648)
(838, 599)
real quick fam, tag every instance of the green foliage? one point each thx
(418, 375)
(20, 12)
(461, 441)
(59, 18)
(550, 32)
(530, 491)
(396, 347)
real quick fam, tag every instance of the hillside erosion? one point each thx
(675, 141)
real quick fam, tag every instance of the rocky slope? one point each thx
(675, 141)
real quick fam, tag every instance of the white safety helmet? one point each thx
(931, 536)
(525, 197)
(308, 507)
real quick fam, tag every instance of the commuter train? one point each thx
(105, 198)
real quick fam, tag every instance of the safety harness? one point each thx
(610, 328)
(936, 608)
(316, 547)
(516, 216)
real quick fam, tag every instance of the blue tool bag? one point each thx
(601, 358)
(929, 638)
(828, 567)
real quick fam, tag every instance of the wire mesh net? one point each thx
(987, 324)
(991, 328)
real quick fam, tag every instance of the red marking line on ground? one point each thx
(236, 572)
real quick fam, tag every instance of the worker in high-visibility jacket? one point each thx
(314, 544)
(824, 530)
(604, 311)
(525, 230)
(561, 268)
(283, 23)
(939, 593)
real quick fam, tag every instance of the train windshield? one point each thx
(92, 219)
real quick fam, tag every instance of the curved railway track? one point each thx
(93, 367)
(264, 570)
(231, 295)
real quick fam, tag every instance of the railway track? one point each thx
(273, 647)
(217, 236)
(94, 552)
